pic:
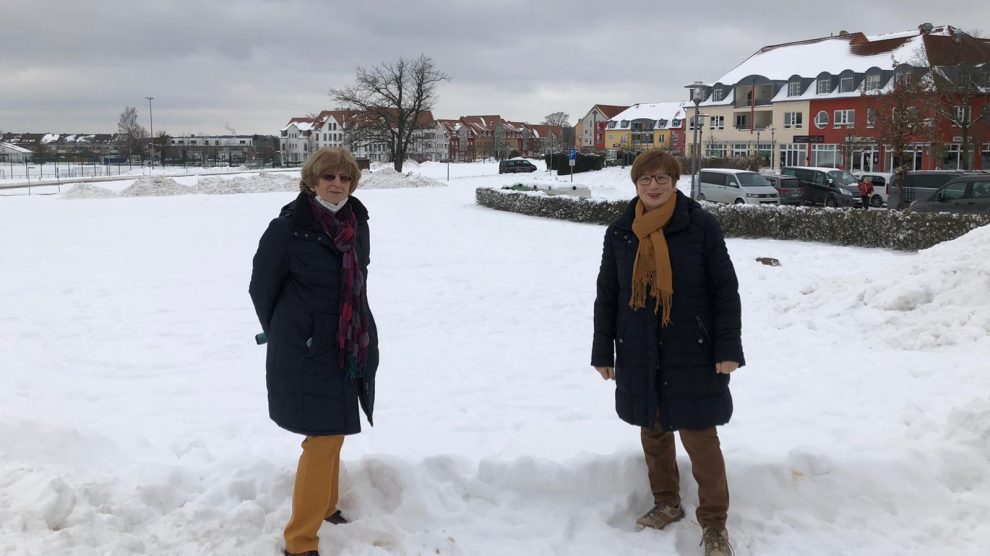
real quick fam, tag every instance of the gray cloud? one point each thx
(252, 64)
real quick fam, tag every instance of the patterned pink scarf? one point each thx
(352, 329)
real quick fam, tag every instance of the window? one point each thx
(675, 123)
(825, 155)
(718, 94)
(740, 150)
(963, 114)
(845, 118)
(742, 121)
(903, 78)
(871, 117)
(981, 190)
(624, 124)
(717, 122)
(846, 84)
(793, 119)
(716, 150)
(954, 191)
(824, 86)
(661, 123)
(793, 154)
(794, 89)
(821, 120)
(872, 82)
(611, 124)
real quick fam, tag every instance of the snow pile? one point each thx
(388, 178)
(262, 183)
(155, 186)
(941, 296)
(88, 191)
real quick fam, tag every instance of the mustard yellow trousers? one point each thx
(316, 492)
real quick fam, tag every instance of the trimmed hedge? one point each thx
(891, 229)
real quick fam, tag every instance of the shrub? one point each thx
(891, 229)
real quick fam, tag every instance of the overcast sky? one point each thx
(249, 65)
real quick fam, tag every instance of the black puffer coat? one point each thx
(295, 287)
(671, 368)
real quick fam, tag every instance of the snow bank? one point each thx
(940, 296)
(155, 186)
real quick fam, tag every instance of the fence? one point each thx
(55, 171)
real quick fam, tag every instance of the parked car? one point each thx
(828, 187)
(880, 180)
(725, 185)
(969, 194)
(920, 186)
(788, 187)
(515, 165)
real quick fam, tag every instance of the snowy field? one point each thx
(133, 415)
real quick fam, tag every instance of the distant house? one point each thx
(590, 130)
(647, 126)
(11, 153)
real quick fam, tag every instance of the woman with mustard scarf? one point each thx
(668, 332)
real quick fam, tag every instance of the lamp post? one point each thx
(773, 147)
(151, 117)
(698, 94)
(758, 147)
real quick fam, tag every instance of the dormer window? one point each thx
(794, 89)
(846, 84)
(872, 82)
(661, 123)
(718, 94)
(675, 123)
(624, 124)
(824, 86)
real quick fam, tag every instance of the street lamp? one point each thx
(773, 147)
(151, 116)
(758, 148)
(698, 93)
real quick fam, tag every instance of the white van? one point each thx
(725, 185)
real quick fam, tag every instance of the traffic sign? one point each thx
(572, 154)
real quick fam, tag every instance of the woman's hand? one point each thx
(608, 373)
(726, 367)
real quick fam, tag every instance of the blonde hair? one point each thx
(653, 160)
(328, 160)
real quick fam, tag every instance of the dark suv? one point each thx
(969, 194)
(823, 186)
(515, 165)
(920, 186)
(788, 187)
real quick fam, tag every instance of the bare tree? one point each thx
(389, 100)
(954, 94)
(130, 134)
(561, 119)
(900, 117)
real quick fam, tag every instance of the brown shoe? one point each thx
(310, 553)
(716, 542)
(337, 519)
(660, 516)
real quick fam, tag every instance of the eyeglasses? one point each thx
(661, 180)
(341, 177)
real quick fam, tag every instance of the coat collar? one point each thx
(679, 221)
(302, 217)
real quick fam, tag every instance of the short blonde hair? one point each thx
(328, 160)
(653, 160)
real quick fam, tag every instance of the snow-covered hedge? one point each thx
(892, 229)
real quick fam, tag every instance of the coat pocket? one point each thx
(323, 334)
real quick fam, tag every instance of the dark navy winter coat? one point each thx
(670, 368)
(295, 287)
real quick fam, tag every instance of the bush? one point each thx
(583, 162)
(903, 231)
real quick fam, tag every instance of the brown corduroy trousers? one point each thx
(316, 491)
(707, 466)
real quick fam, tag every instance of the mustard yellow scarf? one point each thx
(652, 265)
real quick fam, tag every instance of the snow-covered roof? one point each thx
(14, 148)
(829, 54)
(49, 138)
(652, 111)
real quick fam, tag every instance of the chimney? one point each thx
(925, 28)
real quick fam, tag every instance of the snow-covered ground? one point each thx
(133, 417)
